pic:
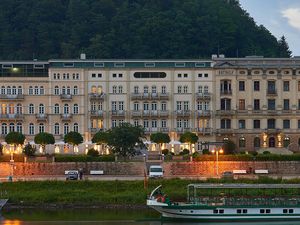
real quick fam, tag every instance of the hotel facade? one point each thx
(252, 101)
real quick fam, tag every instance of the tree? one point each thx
(283, 48)
(123, 139)
(73, 138)
(15, 138)
(229, 147)
(44, 139)
(160, 138)
(29, 150)
(100, 138)
(189, 137)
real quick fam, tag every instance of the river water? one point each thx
(99, 217)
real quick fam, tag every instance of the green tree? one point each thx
(160, 138)
(73, 138)
(100, 138)
(44, 139)
(123, 139)
(15, 139)
(29, 150)
(283, 48)
(188, 137)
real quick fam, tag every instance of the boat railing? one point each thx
(246, 201)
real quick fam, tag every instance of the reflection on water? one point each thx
(102, 217)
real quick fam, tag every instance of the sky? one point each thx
(280, 17)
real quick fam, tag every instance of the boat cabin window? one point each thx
(268, 210)
(238, 211)
(285, 211)
(221, 211)
(245, 211)
(216, 211)
(262, 211)
(291, 211)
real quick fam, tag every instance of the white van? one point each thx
(156, 171)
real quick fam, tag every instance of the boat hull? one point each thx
(2, 202)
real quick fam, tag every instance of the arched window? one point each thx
(42, 90)
(205, 89)
(31, 108)
(66, 128)
(19, 108)
(20, 90)
(30, 90)
(76, 127)
(41, 109)
(120, 89)
(11, 108)
(242, 142)
(256, 142)
(163, 89)
(114, 89)
(41, 128)
(36, 90)
(56, 90)
(31, 129)
(63, 90)
(153, 89)
(185, 89)
(14, 90)
(8, 90)
(75, 109)
(19, 128)
(56, 108)
(11, 127)
(56, 128)
(93, 106)
(136, 89)
(2, 90)
(286, 142)
(75, 90)
(146, 89)
(4, 128)
(68, 90)
(66, 109)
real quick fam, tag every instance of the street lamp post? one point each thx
(217, 151)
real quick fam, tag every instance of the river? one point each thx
(99, 217)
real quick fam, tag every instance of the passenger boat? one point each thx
(2, 203)
(231, 202)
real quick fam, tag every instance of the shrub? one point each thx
(184, 152)
(84, 158)
(195, 154)
(165, 151)
(253, 153)
(266, 152)
(92, 152)
(205, 152)
(29, 150)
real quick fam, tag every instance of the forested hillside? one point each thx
(46, 29)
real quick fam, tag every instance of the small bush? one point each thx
(29, 150)
(205, 152)
(266, 152)
(92, 152)
(195, 154)
(165, 151)
(84, 158)
(242, 153)
(184, 152)
(253, 153)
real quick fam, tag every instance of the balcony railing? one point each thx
(163, 96)
(164, 129)
(182, 129)
(66, 117)
(204, 130)
(118, 113)
(41, 117)
(65, 97)
(11, 97)
(183, 113)
(148, 96)
(203, 96)
(15, 116)
(96, 113)
(226, 92)
(136, 113)
(225, 131)
(97, 96)
(164, 113)
(225, 112)
(203, 113)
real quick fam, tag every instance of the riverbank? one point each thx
(101, 194)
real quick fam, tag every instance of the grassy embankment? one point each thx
(99, 193)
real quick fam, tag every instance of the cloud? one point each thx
(293, 17)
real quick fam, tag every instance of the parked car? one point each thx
(72, 175)
(227, 175)
(156, 171)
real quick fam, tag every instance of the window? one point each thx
(179, 64)
(136, 123)
(19, 127)
(153, 89)
(66, 128)
(136, 106)
(271, 104)
(163, 123)
(146, 123)
(206, 75)
(42, 90)
(75, 90)
(256, 104)
(271, 87)
(179, 89)
(286, 124)
(178, 105)
(238, 211)
(114, 75)
(241, 85)
(200, 89)
(31, 129)
(11, 127)
(256, 124)
(256, 142)
(8, 90)
(242, 124)
(242, 142)
(98, 64)
(256, 85)
(119, 64)
(19, 108)
(114, 106)
(286, 142)
(150, 75)
(185, 89)
(113, 123)
(179, 75)
(20, 90)
(241, 104)
(268, 210)
(262, 211)
(199, 75)
(30, 90)
(41, 128)
(185, 75)
(135, 89)
(75, 109)
(163, 106)
(154, 123)
(271, 123)
(76, 127)
(114, 89)
(56, 128)
(163, 89)
(14, 90)
(146, 89)
(56, 108)
(66, 109)
(286, 104)
(153, 106)
(120, 89)
(41, 109)
(285, 211)
(206, 89)
(149, 64)
(68, 90)
(93, 75)
(2, 90)
(225, 104)
(286, 86)
(120, 75)
(31, 109)
(56, 90)
(63, 91)
(225, 123)
(291, 210)
(36, 90)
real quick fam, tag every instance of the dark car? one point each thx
(72, 175)
(227, 175)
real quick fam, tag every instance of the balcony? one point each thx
(136, 96)
(164, 113)
(272, 112)
(14, 117)
(273, 130)
(146, 113)
(118, 113)
(271, 92)
(41, 117)
(204, 130)
(203, 113)
(146, 96)
(97, 97)
(65, 97)
(154, 96)
(183, 113)
(12, 97)
(66, 117)
(136, 113)
(96, 113)
(203, 96)
(182, 130)
(226, 92)
(164, 96)
(225, 112)
(149, 96)
(164, 129)
(154, 113)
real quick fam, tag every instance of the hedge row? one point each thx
(84, 158)
(244, 157)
